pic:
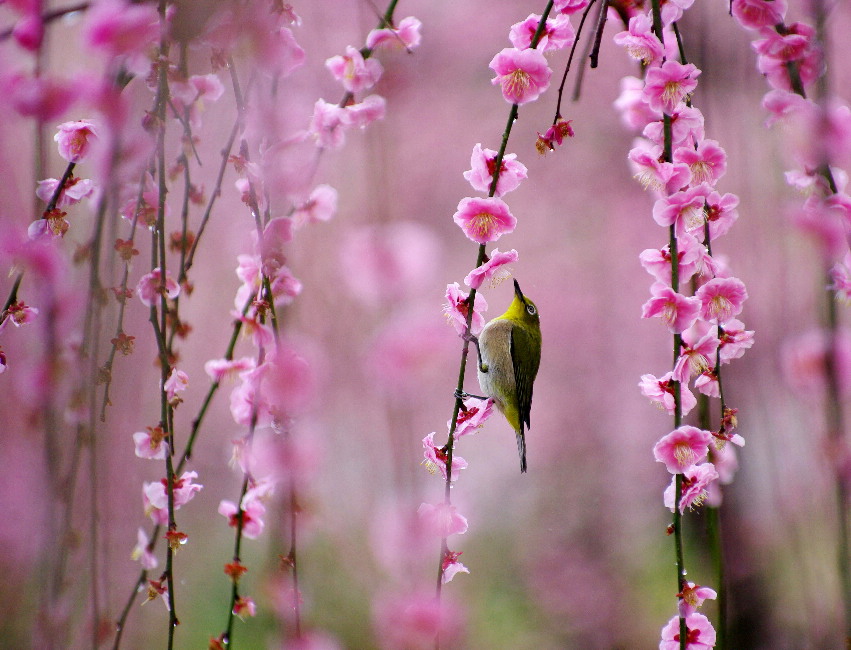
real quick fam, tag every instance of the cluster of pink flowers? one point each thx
(357, 71)
(819, 134)
(705, 322)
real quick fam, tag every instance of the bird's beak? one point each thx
(517, 291)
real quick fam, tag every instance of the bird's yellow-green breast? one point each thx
(510, 353)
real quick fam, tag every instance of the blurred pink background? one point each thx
(571, 555)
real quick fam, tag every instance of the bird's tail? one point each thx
(521, 449)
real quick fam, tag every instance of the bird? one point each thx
(509, 353)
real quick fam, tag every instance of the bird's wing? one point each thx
(525, 369)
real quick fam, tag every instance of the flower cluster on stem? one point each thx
(693, 292)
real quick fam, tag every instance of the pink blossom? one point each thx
(569, 7)
(120, 29)
(558, 33)
(721, 213)
(685, 210)
(150, 443)
(406, 36)
(442, 519)
(74, 190)
(40, 97)
(414, 621)
(707, 163)
(75, 139)
(483, 166)
(457, 309)
(660, 391)
(735, 340)
(19, 313)
(244, 606)
(721, 299)
(634, 111)
(491, 269)
(840, 276)
(701, 634)
(484, 220)
(640, 42)
(653, 172)
(788, 46)
(252, 514)
(192, 93)
(435, 458)
(677, 311)
(707, 383)
(472, 417)
(672, 10)
(156, 500)
(219, 369)
(667, 86)
(328, 125)
(29, 31)
(785, 105)
(697, 355)
(353, 71)
(682, 448)
(756, 14)
(522, 74)
(804, 360)
(176, 383)
(451, 566)
(321, 205)
(370, 109)
(809, 181)
(142, 551)
(151, 286)
(696, 480)
(827, 222)
(657, 261)
(692, 597)
(776, 71)
(686, 127)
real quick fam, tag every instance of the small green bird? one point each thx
(509, 349)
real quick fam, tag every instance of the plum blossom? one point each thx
(677, 311)
(682, 448)
(406, 35)
(155, 498)
(721, 213)
(457, 309)
(685, 209)
(522, 74)
(436, 457)
(321, 205)
(176, 383)
(117, 28)
(661, 391)
(639, 40)
(558, 33)
(734, 340)
(707, 162)
(442, 519)
(653, 172)
(721, 299)
(756, 14)
(451, 566)
(686, 126)
(219, 369)
(251, 514)
(701, 634)
(491, 269)
(19, 313)
(697, 355)
(484, 220)
(692, 597)
(150, 443)
(668, 85)
(483, 167)
(151, 285)
(142, 552)
(690, 257)
(75, 139)
(630, 105)
(472, 416)
(244, 606)
(696, 480)
(353, 71)
(74, 190)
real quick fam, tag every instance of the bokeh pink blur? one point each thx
(573, 554)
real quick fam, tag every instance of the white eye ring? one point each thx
(531, 309)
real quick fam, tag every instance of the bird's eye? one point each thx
(531, 309)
